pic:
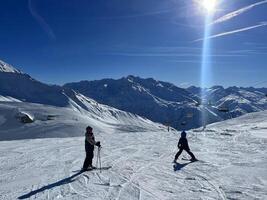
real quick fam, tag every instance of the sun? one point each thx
(209, 5)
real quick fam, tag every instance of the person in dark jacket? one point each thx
(90, 144)
(183, 145)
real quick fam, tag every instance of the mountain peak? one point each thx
(4, 67)
(140, 79)
(131, 77)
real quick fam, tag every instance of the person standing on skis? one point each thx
(90, 144)
(183, 145)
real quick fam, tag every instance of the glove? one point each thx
(98, 144)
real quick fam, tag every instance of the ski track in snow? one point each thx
(232, 165)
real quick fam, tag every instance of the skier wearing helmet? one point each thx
(89, 148)
(183, 145)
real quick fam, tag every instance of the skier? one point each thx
(183, 145)
(89, 149)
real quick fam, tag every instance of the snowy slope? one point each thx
(71, 121)
(232, 165)
(8, 99)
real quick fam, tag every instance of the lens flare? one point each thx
(209, 5)
(206, 68)
(206, 71)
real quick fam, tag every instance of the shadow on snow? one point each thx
(178, 166)
(50, 186)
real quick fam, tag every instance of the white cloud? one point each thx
(234, 31)
(41, 21)
(237, 12)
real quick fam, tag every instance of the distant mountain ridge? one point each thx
(158, 101)
(131, 85)
(166, 103)
(238, 100)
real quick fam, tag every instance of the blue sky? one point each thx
(64, 41)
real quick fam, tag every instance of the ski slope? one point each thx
(232, 165)
(52, 121)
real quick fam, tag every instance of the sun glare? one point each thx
(209, 5)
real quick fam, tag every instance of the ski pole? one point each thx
(97, 158)
(99, 149)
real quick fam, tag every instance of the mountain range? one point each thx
(151, 99)
(56, 106)
(166, 103)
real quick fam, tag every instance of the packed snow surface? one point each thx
(232, 165)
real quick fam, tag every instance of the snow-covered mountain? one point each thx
(156, 100)
(4, 67)
(232, 165)
(23, 87)
(168, 104)
(236, 100)
(21, 93)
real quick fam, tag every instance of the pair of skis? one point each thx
(191, 160)
(98, 163)
(96, 168)
(186, 159)
(92, 169)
